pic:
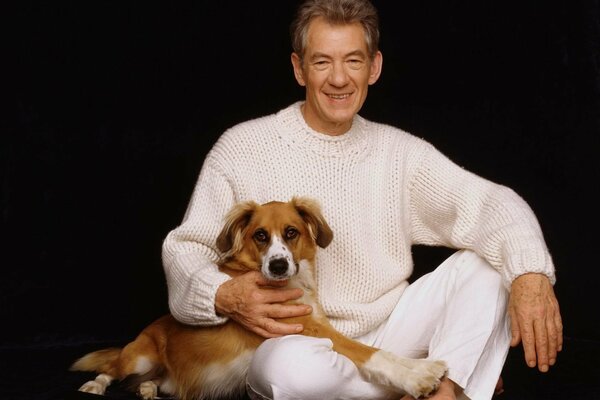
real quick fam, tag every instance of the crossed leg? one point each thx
(456, 314)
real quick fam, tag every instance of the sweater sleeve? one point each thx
(452, 207)
(189, 252)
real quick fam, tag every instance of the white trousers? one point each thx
(457, 313)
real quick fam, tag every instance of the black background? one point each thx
(111, 107)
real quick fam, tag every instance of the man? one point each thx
(382, 191)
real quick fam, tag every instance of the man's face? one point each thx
(336, 72)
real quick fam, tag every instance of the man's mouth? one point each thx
(339, 96)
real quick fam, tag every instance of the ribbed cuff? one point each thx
(195, 302)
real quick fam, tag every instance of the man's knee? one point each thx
(292, 365)
(475, 270)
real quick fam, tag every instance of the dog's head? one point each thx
(273, 237)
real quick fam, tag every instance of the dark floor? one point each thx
(41, 372)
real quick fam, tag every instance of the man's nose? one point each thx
(338, 76)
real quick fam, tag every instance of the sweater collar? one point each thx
(296, 131)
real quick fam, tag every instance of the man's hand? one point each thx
(535, 320)
(255, 302)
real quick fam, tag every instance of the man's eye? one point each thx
(355, 63)
(260, 236)
(320, 65)
(291, 233)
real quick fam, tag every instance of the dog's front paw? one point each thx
(418, 378)
(424, 377)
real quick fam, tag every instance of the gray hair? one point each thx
(338, 12)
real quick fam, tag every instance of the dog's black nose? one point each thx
(278, 266)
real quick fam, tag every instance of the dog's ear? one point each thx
(310, 212)
(229, 240)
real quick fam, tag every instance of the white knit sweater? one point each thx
(381, 190)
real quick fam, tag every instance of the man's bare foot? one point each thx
(446, 391)
(499, 387)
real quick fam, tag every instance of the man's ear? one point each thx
(229, 240)
(375, 67)
(298, 72)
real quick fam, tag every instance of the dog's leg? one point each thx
(98, 385)
(416, 377)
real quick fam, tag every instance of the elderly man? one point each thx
(382, 191)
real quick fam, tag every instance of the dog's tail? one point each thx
(100, 361)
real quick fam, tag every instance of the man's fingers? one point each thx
(261, 332)
(288, 311)
(528, 339)
(552, 341)
(280, 295)
(260, 280)
(514, 329)
(555, 333)
(273, 327)
(558, 323)
(559, 327)
(541, 344)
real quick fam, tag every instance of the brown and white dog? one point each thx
(280, 240)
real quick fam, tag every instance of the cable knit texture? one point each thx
(381, 190)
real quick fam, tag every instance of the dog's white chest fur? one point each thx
(305, 280)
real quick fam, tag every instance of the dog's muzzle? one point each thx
(278, 262)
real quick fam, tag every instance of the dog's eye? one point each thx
(260, 236)
(291, 233)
